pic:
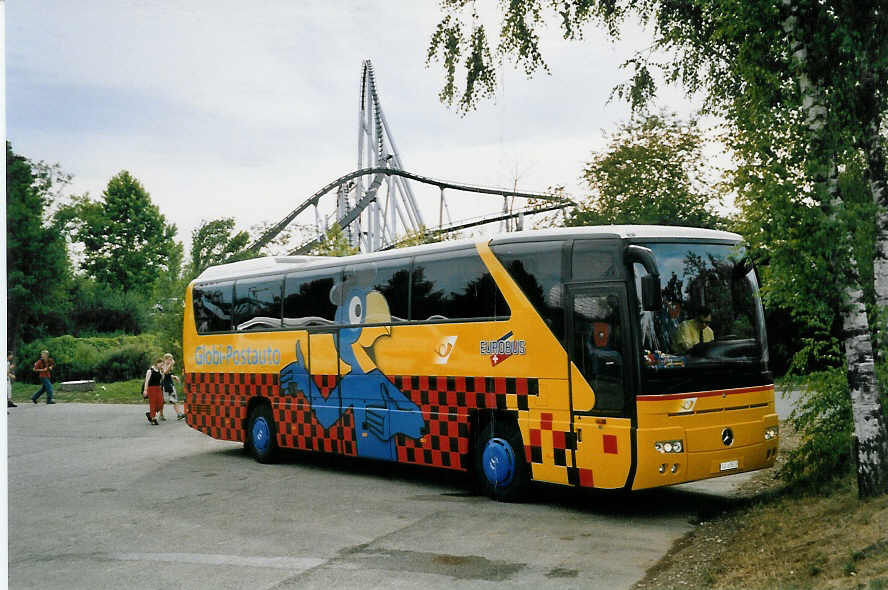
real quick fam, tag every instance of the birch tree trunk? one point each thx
(874, 149)
(869, 421)
(866, 409)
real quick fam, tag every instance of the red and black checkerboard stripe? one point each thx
(217, 405)
(445, 403)
(298, 428)
(562, 442)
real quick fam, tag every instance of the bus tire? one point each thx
(261, 436)
(500, 467)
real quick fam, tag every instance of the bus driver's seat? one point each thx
(601, 332)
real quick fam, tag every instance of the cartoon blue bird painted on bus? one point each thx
(381, 410)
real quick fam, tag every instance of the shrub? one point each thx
(823, 419)
(127, 362)
(84, 358)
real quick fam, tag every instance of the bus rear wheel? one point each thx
(500, 468)
(261, 435)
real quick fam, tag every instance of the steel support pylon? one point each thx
(392, 212)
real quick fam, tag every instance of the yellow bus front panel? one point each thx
(720, 433)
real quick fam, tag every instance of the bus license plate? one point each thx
(728, 465)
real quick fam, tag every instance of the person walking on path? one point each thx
(10, 377)
(153, 379)
(169, 388)
(43, 367)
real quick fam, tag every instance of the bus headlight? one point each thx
(669, 446)
(771, 432)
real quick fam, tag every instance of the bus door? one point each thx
(323, 362)
(600, 364)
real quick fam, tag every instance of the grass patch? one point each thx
(784, 538)
(810, 541)
(120, 392)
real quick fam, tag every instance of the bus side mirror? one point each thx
(651, 296)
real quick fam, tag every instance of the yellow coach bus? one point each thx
(601, 357)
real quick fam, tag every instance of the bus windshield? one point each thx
(710, 331)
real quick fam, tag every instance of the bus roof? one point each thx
(277, 264)
(625, 232)
(259, 266)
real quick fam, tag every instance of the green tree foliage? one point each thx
(36, 258)
(127, 242)
(214, 242)
(425, 236)
(461, 41)
(168, 310)
(653, 172)
(285, 240)
(335, 243)
(97, 308)
(795, 237)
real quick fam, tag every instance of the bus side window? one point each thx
(391, 279)
(213, 307)
(536, 268)
(594, 260)
(257, 304)
(307, 299)
(455, 285)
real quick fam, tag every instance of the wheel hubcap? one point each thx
(261, 434)
(498, 462)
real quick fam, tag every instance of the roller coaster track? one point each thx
(352, 214)
(469, 223)
(372, 224)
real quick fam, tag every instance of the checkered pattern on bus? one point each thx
(217, 404)
(445, 403)
(562, 442)
(298, 428)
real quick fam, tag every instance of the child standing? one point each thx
(169, 388)
(153, 379)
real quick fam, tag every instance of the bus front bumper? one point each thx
(706, 452)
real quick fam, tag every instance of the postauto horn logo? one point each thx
(217, 355)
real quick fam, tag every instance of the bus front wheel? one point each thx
(261, 437)
(500, 467)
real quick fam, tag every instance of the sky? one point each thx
(238, 109)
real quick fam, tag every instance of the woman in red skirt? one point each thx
(153, 391)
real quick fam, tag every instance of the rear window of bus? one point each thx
(213, 306)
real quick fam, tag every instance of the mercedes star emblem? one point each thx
(727, 437)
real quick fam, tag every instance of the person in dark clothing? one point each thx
(10, 377)
(153, 379)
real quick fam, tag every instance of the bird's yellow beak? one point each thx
(377, 309)
(377, 313)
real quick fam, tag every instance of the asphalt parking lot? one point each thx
(100, 499)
